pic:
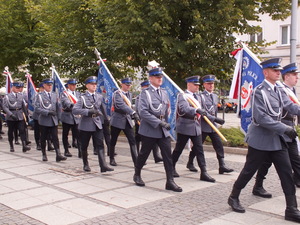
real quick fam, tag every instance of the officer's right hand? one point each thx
(14, 117)
(165, 125)
(219, 121)
(92, 112)
(52, 113)
(202, 112)
(291, 133)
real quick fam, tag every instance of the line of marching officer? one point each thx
(87, 119)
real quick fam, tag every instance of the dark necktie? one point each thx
(157, 90)
(16, 95)
(195, 96)
(49, 96)
(73, 93)
(94, 97)
(212, 98)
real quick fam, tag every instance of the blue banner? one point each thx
(31, 93)
(58, 85)
(252, 76)
(172, 93)
(106, 85)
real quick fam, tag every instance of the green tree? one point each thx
(185, 36)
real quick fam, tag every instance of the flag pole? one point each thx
(97, 53)
(194, 105)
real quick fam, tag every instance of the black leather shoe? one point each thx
(175, 174)
(26, 148)
(44, 158)
(28, 142)
(86, 168)
(68, 154)
(235, 205)
(60, 158)
(171, 185)
(74, 145)
(191, 167)
(69, 146)
(292, 214)
(38, 147)
(205, 177)
(11, 149)
(261, 192)
(95, 153)
(224, 169)
(106, 169)
(138, 180)
(17, 143)
(112, 162)
(158, 159)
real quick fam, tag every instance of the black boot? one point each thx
(50, 146)
(17, 141)
(25, 148)
(102, 162)
(171, 185)
(44, 156)
(205, 176)
(175, 174)
(86, 166)
(27, 137)
(59, 156)
(134, 153)
(74, 144)
(234, 201)
(259, 190)
(137, 177)
(156, 155)
(11, 145)
(38, 146)
(222, 167)
(190, 164)
(291, 211)
(112, 161)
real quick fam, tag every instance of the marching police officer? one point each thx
(156, 153)
(121, 120)
(16, 112)
(154, 109)
(290, 77)
(188, 126)
(265, 140)
(36, 126)
(68, 119)
(48, 108)
(90, 125)
(209, 103)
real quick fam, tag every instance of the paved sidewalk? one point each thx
(36, 192)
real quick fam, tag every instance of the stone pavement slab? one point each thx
(36, 192)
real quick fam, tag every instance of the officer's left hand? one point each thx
(219, 121)
(136, 117)
(201, 112)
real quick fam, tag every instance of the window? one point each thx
(285, 35)
(256, 37)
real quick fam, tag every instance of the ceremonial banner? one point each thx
(9, 80)
(248, 74)
(172, 93)
(106, 85)
(31, 93)
(59, 87)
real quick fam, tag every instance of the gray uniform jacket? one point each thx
(266, 128)
(43, 105)
(67, 116)
(187, 122)
(210, 104)
(14, 105)
(122, 112)
(288, 118)
(35, 115)
(154, 109)
(82, 107)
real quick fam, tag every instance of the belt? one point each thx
(14, 109)
(94, 115)
(190, 118)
